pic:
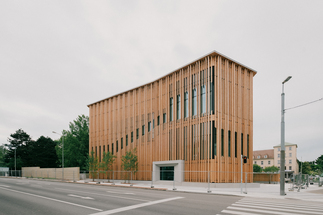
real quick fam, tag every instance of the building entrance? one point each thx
(167, 173)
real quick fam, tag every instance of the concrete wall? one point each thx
(70, 173)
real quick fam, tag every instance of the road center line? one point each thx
(56, 200)
(136, 206)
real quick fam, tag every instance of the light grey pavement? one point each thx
(254, 190)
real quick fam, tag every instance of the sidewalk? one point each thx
(255, 190)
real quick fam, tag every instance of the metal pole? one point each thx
(63, 158)
(241, 175)
(208, 183)
(282, 140)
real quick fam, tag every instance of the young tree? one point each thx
(3, 151)
(271, 169)
(130, 161)
(76, 143)
(257, 168)
(107, 161)
(93, 165)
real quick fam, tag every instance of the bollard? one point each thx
(174, 188)
(131, 179)
(113, 178)
(246, 183)
(152, 178)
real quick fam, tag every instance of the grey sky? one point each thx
(58, 56)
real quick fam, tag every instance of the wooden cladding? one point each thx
(201, 113)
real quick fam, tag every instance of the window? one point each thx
(241, 143)
(255, 162)
(235, 144)
(258, 156)
(127, 140)
(137, 133)
(158, 120)
(290, 168)
(153, 123)
(278, 161)
(103, 148)
(290, 148)
(268, 162)
(108, 148)
(117, 146)
(121, 143)
(171, 109)
(112, 148)
(203, 99)
(265, 156)
(178, 107)
(164, 118)
(149, 126)
(194, 102)
(143, 130)
(290, 162)
(229, 143)
(279, 155)
(279, 149)
(132, 136)
(247, 145)
(290, 154)
(262, 163)
(222, 142)
(99, 153)
(185, 104)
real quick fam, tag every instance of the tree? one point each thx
(44, 153)
(93, 165)
(76, 143)
(306, 167)
(271, 169)
(319, 163)
(107, 161)
(257, 168)
(130, 161)
(3, 152)
(18, 144)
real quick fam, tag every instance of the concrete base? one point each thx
(178, 169)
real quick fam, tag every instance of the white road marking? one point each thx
(237, 212)
(260, 211)
(130, 193)
(56, 200)
(120, 197)
(136, 206)
(120, 193)
(4, 185)
(82, 197)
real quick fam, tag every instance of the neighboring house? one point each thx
(291, 165)
(271, 157)
(194, 120)
(264, 158)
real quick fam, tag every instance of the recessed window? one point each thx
(121, 143)
(194, 102)
(143, 130)
(268, 162)
(171, 109)
(258, 156)
(203, 99)
(290, 148)
(290, 168)
(290, 161)
(265, 156)
(185, 104)
(137, 133)
(290, 154)
(279, 149)
(178, 107)
(255, 162)
(132, 136)
(279, 155)
(262, 163)
(164, 118)
(149, 126)
(158, 120)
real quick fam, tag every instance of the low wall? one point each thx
(267, 178)
(70, 173)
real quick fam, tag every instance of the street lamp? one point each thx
(282, 140)
(62, 153)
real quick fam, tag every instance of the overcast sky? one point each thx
(56, 57)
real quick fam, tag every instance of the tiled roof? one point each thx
(262, 153)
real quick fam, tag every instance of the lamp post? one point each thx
(282, 140)
(62, 153)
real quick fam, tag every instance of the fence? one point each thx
(266, 178)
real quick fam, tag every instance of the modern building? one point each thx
(194, 122)
(264, 158)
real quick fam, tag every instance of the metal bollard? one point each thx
(152, 179)
(174, 188)
(208, 183)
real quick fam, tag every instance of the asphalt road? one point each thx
(28, 196)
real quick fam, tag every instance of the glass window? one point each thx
(121, 143)
(268, 162)
(132, 136)
(278, 149)
(127, 140)
(265, 156)
(229, 143)
(290, 168)
(149, 126)
(258, 156)
(143, 130)
(171, 109)
(117, 146)
(178, 107)
(262, 163)
(185, 104)
(222, 142)
(112, 148)
(279, 155)
(194, 102)
(290, 154)
(164, 118)
(278, 161)
(158, 120)
(255, 162)
(137, 133)
(290, 148)
(153, 123)
(203, 99)
(290, 161)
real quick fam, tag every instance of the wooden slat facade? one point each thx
(202, 140)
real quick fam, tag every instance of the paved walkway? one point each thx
(312, 193)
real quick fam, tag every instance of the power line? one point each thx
(305, 104)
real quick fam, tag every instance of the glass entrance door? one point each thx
(167, 173)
